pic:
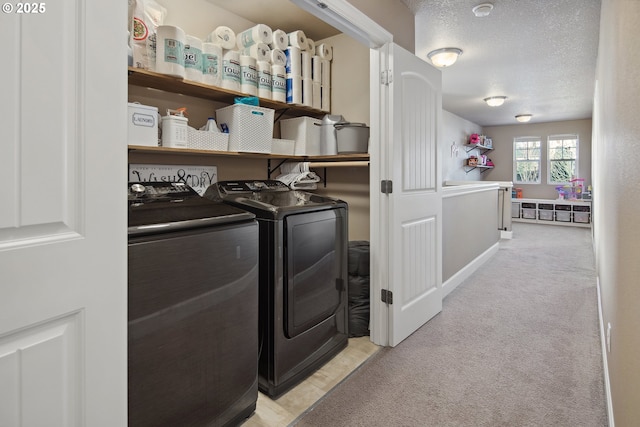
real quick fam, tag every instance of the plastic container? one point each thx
(175, 131)
(328, 137)
(305, 131)
(352, 138)
(250, 128)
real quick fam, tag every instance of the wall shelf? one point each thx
(483, 169)
(150, 79)
(482, 148)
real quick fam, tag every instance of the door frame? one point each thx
(354, 23)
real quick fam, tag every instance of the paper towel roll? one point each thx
(297, 39)
(257, 34)
(311, 46)
(325, 98)
(324, 51)
(316, 69)
(278, 57)
(264, 79)
(278, 83)
(307, 92)
(306, 65)
(211, 64)
(231, 70)
(193, 58)
(294, 89)
(248, 75)
(317, 95)
(294, 61)
(260, 51)
(279, 40)
(170, 50)
(223, 36)
(325, 72)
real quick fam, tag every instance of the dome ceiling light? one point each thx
(523, 118)
(495, 101)
(444, 57)
(482, 10)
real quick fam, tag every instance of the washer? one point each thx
(192, 308)
(303, 277)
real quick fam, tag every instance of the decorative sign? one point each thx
(197, 177)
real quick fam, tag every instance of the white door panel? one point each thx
(63, 216)
(415, 204)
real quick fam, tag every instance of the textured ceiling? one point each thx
(540, 54)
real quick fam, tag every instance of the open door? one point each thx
(415, 202)
(63, 275)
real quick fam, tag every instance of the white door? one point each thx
(415, 203)
(63, 359)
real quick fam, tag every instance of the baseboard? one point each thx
(466, 271)
(605, 362)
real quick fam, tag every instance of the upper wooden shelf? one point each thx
(190, 151)
(145, 78)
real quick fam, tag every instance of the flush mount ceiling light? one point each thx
(444, 57)
(495, 101)
(523, 118)
(482, 10)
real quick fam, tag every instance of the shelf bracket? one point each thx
(271, 171)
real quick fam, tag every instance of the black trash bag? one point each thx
(359, 320)
(359, 254)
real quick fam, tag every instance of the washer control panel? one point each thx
(251, 186)
(158, 190)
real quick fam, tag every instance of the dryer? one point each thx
(303, 277)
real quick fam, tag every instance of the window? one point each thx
(526, 162)
(563, 158)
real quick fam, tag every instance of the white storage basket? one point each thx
(305, 131)
(250, 128)
(283, 146)
(207, 140)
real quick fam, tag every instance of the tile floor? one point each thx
(288, 407)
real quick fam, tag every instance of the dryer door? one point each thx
(315, 268)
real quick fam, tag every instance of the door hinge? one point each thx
(386, 296)
(386, 78)
(386, 186)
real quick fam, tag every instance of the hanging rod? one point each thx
(355, 163)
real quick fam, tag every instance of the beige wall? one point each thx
(394, 17)
(502, 155)
(617, 199)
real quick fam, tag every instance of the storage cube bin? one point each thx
(207, 140)
(142, 125)
(283, 146)
(305, 131)
(515, 210)
(545, 215)
(581, 217)
(250, 128)
(563, 216)
(528, 213)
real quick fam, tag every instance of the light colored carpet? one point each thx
(517, 344)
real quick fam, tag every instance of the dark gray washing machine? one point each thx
(192, 309)
(303, 277)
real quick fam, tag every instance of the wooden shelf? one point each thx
(468, 168)
(482, 148)
(193, 152)
(145, 78)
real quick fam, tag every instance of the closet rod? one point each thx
(340, 164)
